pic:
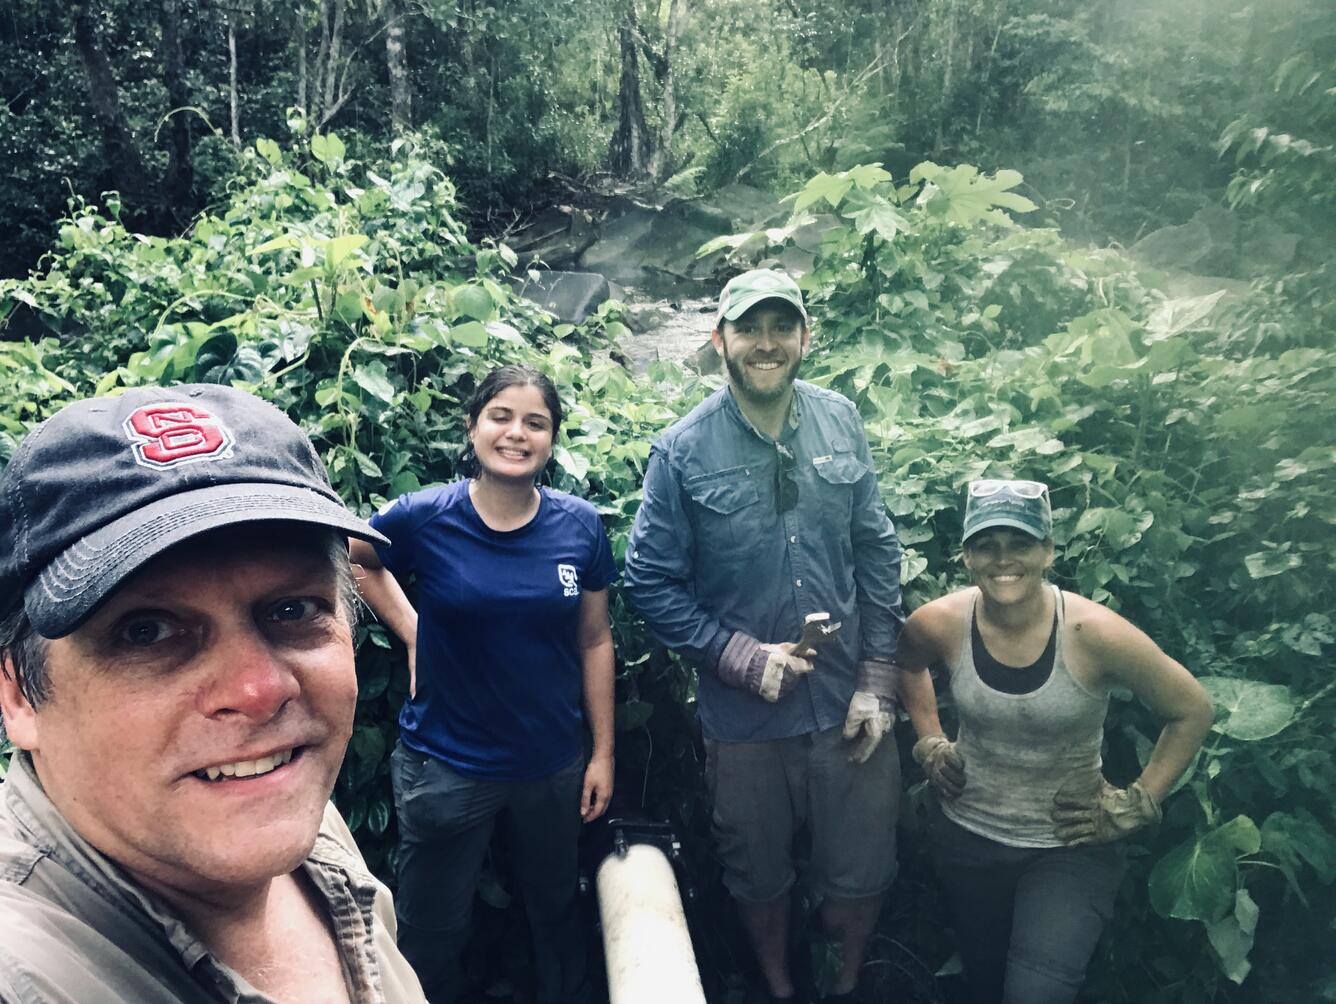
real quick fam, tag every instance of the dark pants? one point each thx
(445, 825)
(1027, 919)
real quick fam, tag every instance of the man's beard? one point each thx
(742, 382)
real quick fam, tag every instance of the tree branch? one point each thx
(867, 71)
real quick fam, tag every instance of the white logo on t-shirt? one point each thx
(570, 580)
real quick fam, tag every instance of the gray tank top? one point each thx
(1020, 748)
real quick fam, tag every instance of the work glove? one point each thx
(871, 710)
(769, 671)
(943, 764)
(1103, 814)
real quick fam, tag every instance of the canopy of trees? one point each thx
(1123, 116)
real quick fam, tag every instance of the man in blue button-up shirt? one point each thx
(760, 509)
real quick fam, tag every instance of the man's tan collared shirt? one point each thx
(75, 930)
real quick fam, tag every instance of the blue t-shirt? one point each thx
(499, 675)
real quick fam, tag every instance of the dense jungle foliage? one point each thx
(291, 198)
(1188, 442)
(1124, 116)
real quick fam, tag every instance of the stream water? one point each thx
(668, 330)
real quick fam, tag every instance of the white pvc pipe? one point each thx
(645, 939)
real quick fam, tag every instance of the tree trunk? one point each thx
(124, 162)
(948, 81)
(299, 43)
(628, 155)
(332, 95)
(396, 61)
(661, 162)
(232, 96)
(180, 172)
(985, 90)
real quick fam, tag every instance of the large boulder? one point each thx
(571, 296)
(748, 208)
(1217, 242)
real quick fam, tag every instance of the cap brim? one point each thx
(72, 585)
(745, 303)
(1011, 521)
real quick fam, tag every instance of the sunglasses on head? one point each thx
(991, 486)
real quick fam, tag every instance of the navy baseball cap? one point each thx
(1021, 505)
(106, 484)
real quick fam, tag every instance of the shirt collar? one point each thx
(790, 424)
(348, 891)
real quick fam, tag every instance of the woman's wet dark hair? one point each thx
(516, 375)
(503, 378)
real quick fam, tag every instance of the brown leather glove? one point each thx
(872, 709)
(1104, 815)
(769, 671)
(943, 764)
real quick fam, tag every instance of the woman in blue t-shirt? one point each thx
(509, 643)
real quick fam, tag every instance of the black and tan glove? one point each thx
(872, 709)
(942, 762)
(1103, 815)
(769, 671)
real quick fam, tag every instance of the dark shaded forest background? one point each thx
(1123, 117)
(311, 200)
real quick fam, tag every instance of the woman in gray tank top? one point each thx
(1025, 833)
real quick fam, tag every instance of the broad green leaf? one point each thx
(473, 301)
(881, 217)
(912, 565)
(1294, 839)
(404, 482)
(472, 334)
(268, 149)
(574, 464)
(1249, 710)
(282, 242)
(1309, 636)
(964, 196)
(727, 241)
(378, 816)
(1273, 561)
(868, 175)
(1231, 937)
(337, 249)
(214, 355)
(831, 187)
(374, 379)
(328, 149)
(1198, 879)
(1173, 317)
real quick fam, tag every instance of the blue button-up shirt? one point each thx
(710, 554)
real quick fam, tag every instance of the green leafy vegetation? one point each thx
(1187, 441)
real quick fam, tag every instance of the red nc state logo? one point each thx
(169, 434)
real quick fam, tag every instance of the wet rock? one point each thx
(619, 252)
(748, 208)
(1215, 242)
(1182, 246)
(571, 296)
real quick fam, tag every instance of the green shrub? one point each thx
(1186, 441)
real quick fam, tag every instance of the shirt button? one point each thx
(793, 539)
(798, 583)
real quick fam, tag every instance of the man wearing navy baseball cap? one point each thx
(176, 674)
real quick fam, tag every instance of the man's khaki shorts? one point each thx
(763, 793)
